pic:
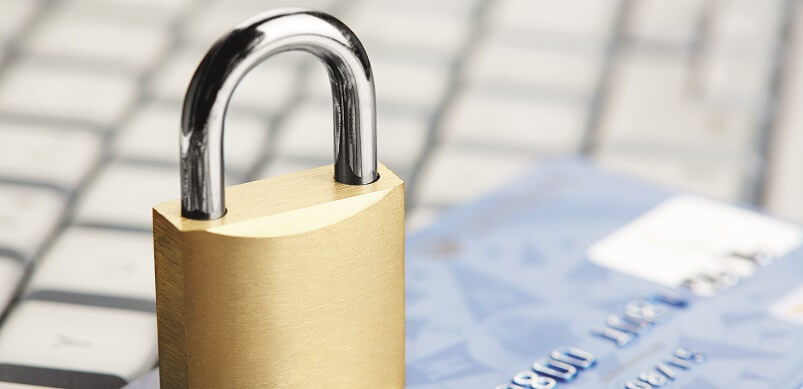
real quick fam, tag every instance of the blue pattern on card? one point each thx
(502, 282)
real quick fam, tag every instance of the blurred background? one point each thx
(696, 95)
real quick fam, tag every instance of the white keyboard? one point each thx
(700, 95)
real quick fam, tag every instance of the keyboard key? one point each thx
(27, 217)
(107, 40)
(46, 154)
(747, 24)
(44, 90)
(740, 81)
(11, 271)
(455, 175)
(587, 21)
(123, 195)
(738, 63)
(79, 338)
(97, 262)
(784, 187)
(518, 122)
(456, 8)
(400, 85)
(165, 6)
(673, 23)
(655, 103)
(568, 71)
(307, 132)
(219, 16)
(153, 132)
(419, 85)
(266, 88)
(725, 179)
(13, 15)
(400, 26)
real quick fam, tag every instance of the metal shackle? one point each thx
(227, 62)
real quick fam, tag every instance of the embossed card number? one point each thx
(563, 364)
(681, 359)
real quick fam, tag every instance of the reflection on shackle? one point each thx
(227, 62)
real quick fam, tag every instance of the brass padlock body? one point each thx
(300, 284)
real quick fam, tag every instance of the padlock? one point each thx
(296, 281)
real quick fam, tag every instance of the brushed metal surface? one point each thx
(300, 284)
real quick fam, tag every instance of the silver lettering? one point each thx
(557, 369)
(620, 324)
(670, 298)
(621, 338)
(689, 355)
(681, 363)
(574, 356)
(644, 311)
(665, 370)
(637, 385)
(652, 378)
(529, 379)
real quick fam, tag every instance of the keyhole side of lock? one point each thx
(232, 57)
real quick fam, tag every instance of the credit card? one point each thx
(574, 277)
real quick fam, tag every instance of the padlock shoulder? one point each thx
(286, 205)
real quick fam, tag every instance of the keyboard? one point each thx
(691, 94)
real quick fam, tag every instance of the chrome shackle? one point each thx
(227, 62)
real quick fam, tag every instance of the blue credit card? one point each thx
(574, 277)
